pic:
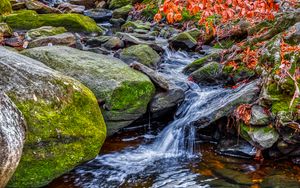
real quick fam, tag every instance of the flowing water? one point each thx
(171, 157)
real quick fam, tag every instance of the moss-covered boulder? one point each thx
(122, 12)
(44, 31)
(119, 3)
(209, 74)
(260, 137)
(64, 123)
(5, 7)
(141, 53)
(122, 92)
(183, 40)
(28, 19)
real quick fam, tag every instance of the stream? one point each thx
(171, 155)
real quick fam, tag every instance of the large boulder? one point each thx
(29, 19)
(64, 123)
(12, 133)
(122, 92)
(5, 7)
(141, 53)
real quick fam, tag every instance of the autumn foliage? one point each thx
(227, 10)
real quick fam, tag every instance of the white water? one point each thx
(160, 160)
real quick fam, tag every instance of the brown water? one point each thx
(211, 170)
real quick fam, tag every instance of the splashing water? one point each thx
(164, 160)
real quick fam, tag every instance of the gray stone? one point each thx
(259, 116)
(12, 134)
(67, 39)
(99, 14)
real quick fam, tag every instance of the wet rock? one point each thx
(44, 32)
(61, 115)
(5, 7)
(122, 12)
(16, 5)
(141, 53)
(261, 137)
(5, 30)
(87, 3)
(28, 19)
(129, 38)
(99, 14)
(195, 33)
(293, 35)
(113, 43)
(123, 92)
(40, 8)
(209, 74)
(259, 116)
(279, 181)
(183, 40)
(234, 176)
(129, 26)
(12, 131)
(164, 102)
(119, 3)
(15, 41)
(285, 147)
(145, 37)
(155, 76)
(201, 62)
(65, 39)
(236, 148)
(70, 8)
(97, 41)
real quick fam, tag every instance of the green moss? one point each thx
(119, 3)
(224, 44)
(136, 25)
(59, 135)
(28, 19)
(128, 96)
(122, 12)
(200, 63)
(5, 7)
(45, 31)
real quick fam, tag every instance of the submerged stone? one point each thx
(122, 92)
(64, 123)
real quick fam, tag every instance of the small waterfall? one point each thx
(177, 139)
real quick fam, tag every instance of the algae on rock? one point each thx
(64, 124)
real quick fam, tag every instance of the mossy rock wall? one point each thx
(5, 7)
(28, 19)
(123, 92)
(64, 123)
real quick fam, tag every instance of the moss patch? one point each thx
(28, 19)
(5, 7)
(60, 134)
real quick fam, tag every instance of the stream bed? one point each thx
(171, 155)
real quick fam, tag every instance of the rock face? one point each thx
(28, 19)
(141, 53)
(64, 124)
(123, 93)
(67, 39)
(183, 40)
(5, 7)
(12, 134)
(44, 31)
